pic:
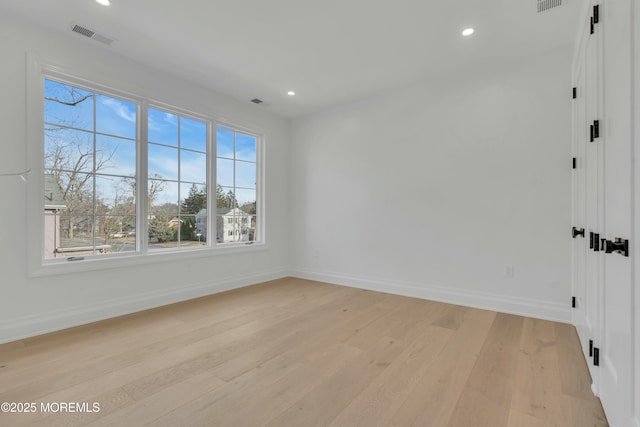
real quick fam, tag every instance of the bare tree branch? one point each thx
(69, 103)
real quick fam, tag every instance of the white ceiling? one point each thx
(329, 52)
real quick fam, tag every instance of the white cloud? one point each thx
(120, 109)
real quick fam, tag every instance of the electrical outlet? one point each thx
(508, 270)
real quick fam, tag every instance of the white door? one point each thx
(580, 243)
(593, 204)
(616, 352)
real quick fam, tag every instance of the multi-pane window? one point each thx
(113, 186)
(236, 190)
(89, 172)
(177, 179)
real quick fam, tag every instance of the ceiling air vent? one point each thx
(256, 101)
(549, 4)
(91, 34)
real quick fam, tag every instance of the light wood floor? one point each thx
(300, 353)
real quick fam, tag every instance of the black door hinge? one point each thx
(575, 232)
(596, 356)
(574, 93)
(594, 130)
(594, 241)
(590, 348)
(574, 163)
(573, 302)
(595, 18)
(619, 246)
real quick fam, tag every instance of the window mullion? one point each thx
(142, 180)
(212, 178)
(94, 200)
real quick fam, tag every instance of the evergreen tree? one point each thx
(195, 201)
(223, 200)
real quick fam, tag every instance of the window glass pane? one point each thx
(224, 172)
(245, 175)
(245, 147)
(163, 127)
(225, 143)
(163, 232)
(224, 226)
(225, 197)
(67, 149)
(193, 199)
(163, 162)
(246, 200)
(74, 188)
(67, 105)
(163, 197)
(118, 232)
(193, 135)
(77, 237)
(117, 156)
(201, 226)
(188, 231)
(193, 167)
(115, 117)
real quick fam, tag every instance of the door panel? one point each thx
(593, 204)
(617, 341)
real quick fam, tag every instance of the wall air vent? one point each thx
(256, 101)
(549, 4)
(91, 34)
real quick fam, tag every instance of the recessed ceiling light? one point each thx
(291, 93)
(467, 32)
(104, 2)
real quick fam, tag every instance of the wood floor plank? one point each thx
(377, 404)
(433, 399)
(583, 412)
(538, 375)
(321, 405)
(575, 380)
(519, 419)
(486, 398)
(294, 352)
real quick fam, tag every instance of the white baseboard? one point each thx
(501, 303)
(29, 326)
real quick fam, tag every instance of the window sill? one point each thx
(115, 261)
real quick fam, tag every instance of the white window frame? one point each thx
(39, 70)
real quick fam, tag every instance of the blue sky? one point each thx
(169, 134)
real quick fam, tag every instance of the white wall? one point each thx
(29, 306)
(476, 168)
